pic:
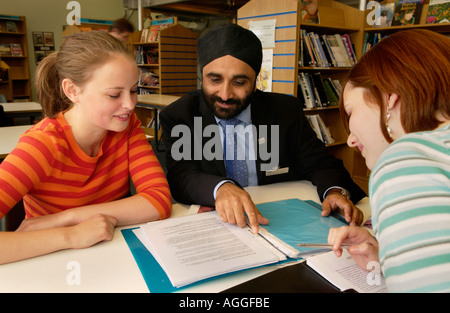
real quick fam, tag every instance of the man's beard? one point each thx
(224, 113)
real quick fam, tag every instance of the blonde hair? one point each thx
(79, 56)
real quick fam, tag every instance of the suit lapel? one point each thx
(261, 117)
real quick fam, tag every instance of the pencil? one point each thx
(318, 245)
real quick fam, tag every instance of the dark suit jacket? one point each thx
(193, 181)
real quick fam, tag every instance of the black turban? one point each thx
(230, 39)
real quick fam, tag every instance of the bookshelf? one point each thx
(172, 58)
(360, 173)
(168, 64)
(334, 18)
(15, 86)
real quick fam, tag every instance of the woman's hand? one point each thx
(364, 247)
(91, 231)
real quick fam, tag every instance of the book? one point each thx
(153, 34)
(313, 121)
(318, 86)
(438, 12)
(337, 51)
(144, 35)
(306, 92)
(384, 15)
(148, 78)
(5, 49)
(346, 274)
(407, 12)
(343, 50)
(327, 138)
(309, 11)
(291, 221)
(16, 49)
(331, 94)
(11, 26)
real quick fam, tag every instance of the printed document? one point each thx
(346, 274)
(200, 246)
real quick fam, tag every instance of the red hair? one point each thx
(415, 65)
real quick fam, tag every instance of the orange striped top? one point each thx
(51, 173)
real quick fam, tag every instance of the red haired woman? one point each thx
(396, 104)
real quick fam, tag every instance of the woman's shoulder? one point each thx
(418, 147)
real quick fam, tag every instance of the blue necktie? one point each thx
(235, 168)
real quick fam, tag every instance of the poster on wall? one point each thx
(265, 31)
(264, 79)
(44, 45)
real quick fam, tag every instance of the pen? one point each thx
(318, 245)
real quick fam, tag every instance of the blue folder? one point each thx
(293, 221)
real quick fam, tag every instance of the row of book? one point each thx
(148, 78)
(8, 26)
(408, 12)
(151, 34)
(372, 39)
(13, 49)
(326, 50)
(147, 55)
(318, 92)
(321, 130)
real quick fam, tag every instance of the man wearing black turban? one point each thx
(230, 58)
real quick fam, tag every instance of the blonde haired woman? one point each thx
(72, 169)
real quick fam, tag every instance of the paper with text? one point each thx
(345, 274)
(200, 246)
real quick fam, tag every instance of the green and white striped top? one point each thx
(409, 192)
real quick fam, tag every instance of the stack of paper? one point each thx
(196, 247)
(187, 249)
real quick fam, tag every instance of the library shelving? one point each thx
(15, 84)
(288, 63)
(167, 59)
(169, 63)
(360, 173)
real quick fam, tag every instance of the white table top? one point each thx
(19, 107)
(110, 266)
(9, 137)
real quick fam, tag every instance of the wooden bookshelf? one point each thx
(360, 173)
(335, 18)
(175, 66)
(176, 60)
(17, 86)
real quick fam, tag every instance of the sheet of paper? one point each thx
(345, 274)
(196, 247)
(265, 31)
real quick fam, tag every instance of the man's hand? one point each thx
(233, 203)
(335, 201)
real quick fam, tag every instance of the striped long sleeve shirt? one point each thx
(410, 200)
(51, 173)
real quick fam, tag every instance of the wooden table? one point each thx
(155, 102)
